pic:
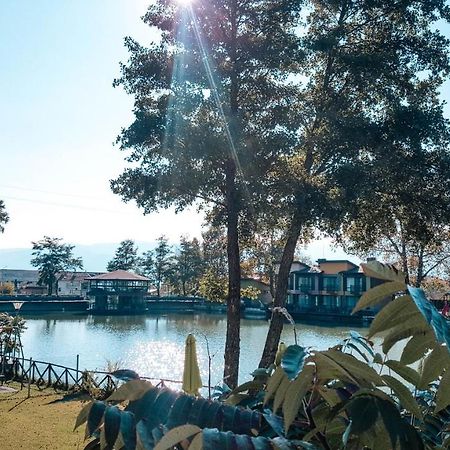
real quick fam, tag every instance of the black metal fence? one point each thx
(43, 374)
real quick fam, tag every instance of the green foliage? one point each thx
(212, 113)
(125, 257)
(4, 217)
(156, 418)
(213, 287)
(214, 249)
(348, 396)
(6, 288)
(53, 259)
(11, 329)
(188, 266)
(158, 265)
(373, 139)
(250, 292)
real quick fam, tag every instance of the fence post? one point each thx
(22, 367)
(29, 377)
(77, 367)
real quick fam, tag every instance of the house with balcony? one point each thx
(327, 291)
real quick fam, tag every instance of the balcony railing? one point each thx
(331, 287)
(354, 289)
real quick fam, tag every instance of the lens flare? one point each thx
(184, 3)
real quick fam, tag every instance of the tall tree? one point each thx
(214, 250)
(158, 264)
(213, 286)
(125, 257)
(188, 265)
(53, 259)
(212, 111)
(371, 70)
(263, 250)
(407, 226)
(4, 217)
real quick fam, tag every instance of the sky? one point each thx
(59, 117)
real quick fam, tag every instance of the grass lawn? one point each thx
(40, 422)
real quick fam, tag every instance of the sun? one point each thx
(184, 3)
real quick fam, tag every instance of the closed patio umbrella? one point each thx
(191, 373)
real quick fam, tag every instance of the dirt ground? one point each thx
(43, 421)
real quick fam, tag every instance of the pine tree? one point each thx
(125, 257)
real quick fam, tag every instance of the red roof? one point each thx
(120, 275)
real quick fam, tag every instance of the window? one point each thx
(355, 284)
(330, 283)
(304, 284)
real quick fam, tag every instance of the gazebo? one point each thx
(119, 291)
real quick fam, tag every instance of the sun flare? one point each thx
(184, 3)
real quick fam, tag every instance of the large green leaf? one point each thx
(399, 310)
(177, 435)
(249, 385)
(403, 394)
(112, 421)
(404, 330)
(433, 366)
(377, 294)
(132, 390)
(293, 360)
(295, 394)
(363, 413)
(128, 430)
(359, 343)
(95, 417)
(407, 373)
(382, 271)
(443, 393)
(358, 370)
(399, 430)
(180, 410)
(125, 374)
(280, 394)
(417, 346)
(274, 383)
(329, 395)
(327, 369)
(439, 323)
(83, 415)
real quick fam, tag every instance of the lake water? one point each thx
(153, 346)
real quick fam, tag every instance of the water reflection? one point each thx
(117, 324)
(154, 345)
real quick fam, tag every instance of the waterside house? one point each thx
(119, 291)
(68, 284)
(328, 291)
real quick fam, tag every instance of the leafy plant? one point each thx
(353, 396)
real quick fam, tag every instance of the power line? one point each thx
(64, 205)
(49, 192)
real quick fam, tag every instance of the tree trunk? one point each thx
(420, 275)
(404, 256)
(276, 324)
(232, 343)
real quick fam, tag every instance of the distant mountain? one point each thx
(95, 256)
